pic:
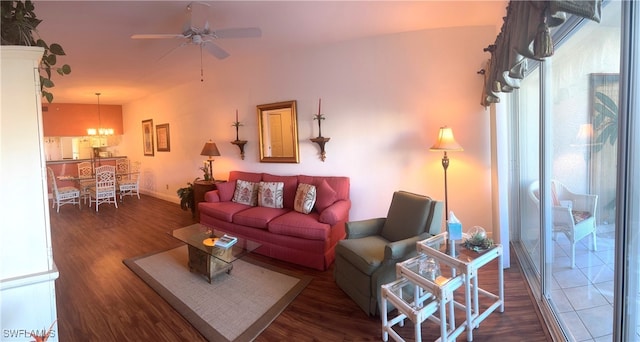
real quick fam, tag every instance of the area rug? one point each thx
(234, 307)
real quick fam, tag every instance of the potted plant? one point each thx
(187, 199)
(19, 27)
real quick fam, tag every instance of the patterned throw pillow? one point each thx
(270, 194)
(246, 193)
(305, 198)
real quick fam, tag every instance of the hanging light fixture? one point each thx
(100, 131)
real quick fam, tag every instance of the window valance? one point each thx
(525, 35)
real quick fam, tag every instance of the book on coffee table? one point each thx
(226, 241)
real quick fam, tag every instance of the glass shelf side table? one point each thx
(466, 263)
(418, 299)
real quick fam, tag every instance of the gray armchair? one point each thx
(366, 259)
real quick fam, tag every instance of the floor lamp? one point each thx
(446, 142)
(210, 149)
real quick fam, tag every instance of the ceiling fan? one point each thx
(204, 36)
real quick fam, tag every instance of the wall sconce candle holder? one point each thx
(238, 142)
(320, 140)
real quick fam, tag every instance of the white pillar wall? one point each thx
(27, 270)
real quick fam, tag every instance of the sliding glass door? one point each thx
(565, 120)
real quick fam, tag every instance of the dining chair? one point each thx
(86, 179)
(105, 187)
(122, 168)
(62, 195)
(130, 186)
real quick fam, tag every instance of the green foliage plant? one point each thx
(187, 198)
(19, 27)
(605, 121)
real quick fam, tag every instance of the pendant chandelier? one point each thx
(100, 131)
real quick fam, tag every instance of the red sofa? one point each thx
(285, 234)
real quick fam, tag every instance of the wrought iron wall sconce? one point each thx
(320, 140)
(238, 142)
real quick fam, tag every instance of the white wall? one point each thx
(384, 99)
(27, 269)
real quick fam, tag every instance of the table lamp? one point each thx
(446, 142)
(210, 149)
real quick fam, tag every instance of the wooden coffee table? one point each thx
(211, 260)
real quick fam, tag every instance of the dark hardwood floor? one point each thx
(100, 299)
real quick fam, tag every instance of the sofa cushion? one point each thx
(226, 190)
(270, 194)
(258, 217)
(300, 225)
(222, 210)
(290, 186)
(305, 198)
(325, 195)
(366, 254)
(246, 193)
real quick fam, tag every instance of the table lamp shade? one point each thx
(210, 149)
(446, 141)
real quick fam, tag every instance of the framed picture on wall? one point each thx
(147, 137)
(162, 138)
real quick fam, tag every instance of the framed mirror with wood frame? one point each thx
(278, 127)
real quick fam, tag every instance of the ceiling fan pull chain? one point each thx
(201, 72)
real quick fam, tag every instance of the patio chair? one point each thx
(574, 215)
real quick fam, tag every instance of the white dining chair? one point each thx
(105, 187)
(62, 195)
(131, 186)
(86, 179)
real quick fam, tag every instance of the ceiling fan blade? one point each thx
(157, 36)
(215, 50)
(170, 51)
(247, 32)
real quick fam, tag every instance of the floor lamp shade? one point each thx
(446, 142)
(211, 150)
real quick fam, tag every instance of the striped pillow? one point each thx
(305, 198)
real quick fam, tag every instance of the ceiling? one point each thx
(96, 35)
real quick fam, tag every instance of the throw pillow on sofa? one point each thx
(305, 198)
(226, 190)
(270, 194)
(246, 193)
(325, 196)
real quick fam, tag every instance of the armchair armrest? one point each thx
(398, 250)
(338, 211)
(585, 203)
(212, 196)
(364, 228)
(562, 216)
